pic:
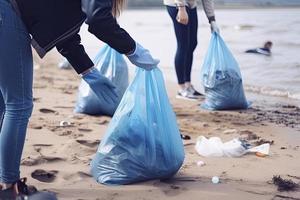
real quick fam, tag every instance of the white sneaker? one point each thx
(192, 90)
(185, 94)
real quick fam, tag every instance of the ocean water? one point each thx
(278, 75)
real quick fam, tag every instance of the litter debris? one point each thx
(64, 124)
(215, 180)
(263, 141)
(214, 147)
(284, 184)
(261, 151)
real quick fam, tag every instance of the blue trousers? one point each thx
(16, 69)
(186, 36)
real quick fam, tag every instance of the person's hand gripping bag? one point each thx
(143, 140)
(112, 65)
(221, 78)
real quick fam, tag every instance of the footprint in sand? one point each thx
(44, 176)
(35, 126)
(89, 143)
(103, 121)
(47, 111)
(78, 176)
(87, 130)
(42, 145)
(32, 161)
(173, 190)
(174, 186)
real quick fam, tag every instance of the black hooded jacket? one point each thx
(56, 23)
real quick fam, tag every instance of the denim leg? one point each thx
(16, 69)
(181, 33)
(192, 42)
(2, 108)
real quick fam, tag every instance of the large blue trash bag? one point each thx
(222, 79)
(143, 140)
(112, 65)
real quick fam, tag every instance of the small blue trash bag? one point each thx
(112, 65)
(222, 79)
(143, 140)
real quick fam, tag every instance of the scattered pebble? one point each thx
(200, 163)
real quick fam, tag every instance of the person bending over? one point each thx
(44, 24)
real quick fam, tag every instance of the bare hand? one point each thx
(182, 16)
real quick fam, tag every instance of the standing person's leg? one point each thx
(2, 108)
(182, 37)
(16, 69)
(181, 32)
(193, 41)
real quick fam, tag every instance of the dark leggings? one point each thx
(186, 36)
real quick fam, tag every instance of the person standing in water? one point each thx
(185, 20)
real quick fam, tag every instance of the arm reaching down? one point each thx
(74, 52)
(208, 6)
(104, 26)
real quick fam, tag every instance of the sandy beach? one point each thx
(64, 152)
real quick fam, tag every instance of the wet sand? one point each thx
(64, 152)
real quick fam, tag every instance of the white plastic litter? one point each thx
(215, 180)
(263, 149)
(214, 147)
(64, 124)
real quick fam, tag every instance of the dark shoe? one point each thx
(21, 191)
(40, 196)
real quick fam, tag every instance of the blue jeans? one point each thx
(186, 36)
(16, 69)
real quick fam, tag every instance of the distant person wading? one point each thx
(265, 50)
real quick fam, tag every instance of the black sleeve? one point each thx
(105, 27)
(74, 52)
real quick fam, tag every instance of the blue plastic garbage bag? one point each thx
(222, 78)
(143, 140)
(112, 65)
